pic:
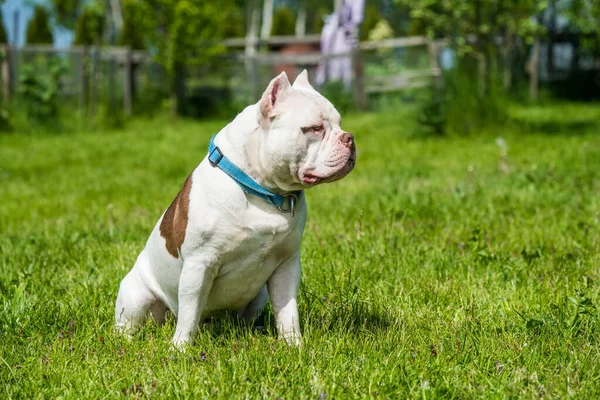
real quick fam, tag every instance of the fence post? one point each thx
(94, 80)
(84, 80)
(112, 100)
(433, 50)
(534, 72)
(6, 73)
(360, 97)
(127, 82)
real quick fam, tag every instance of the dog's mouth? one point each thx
(309, 179)
(312, 179)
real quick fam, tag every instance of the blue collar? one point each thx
(217, 159)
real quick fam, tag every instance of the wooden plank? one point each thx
(404, 75)
(410, 41)
(299, 59)
(380, 84)
(396, 87)
(273, 40)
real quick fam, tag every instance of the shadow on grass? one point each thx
(572, 128)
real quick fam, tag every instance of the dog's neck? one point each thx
(241, 142)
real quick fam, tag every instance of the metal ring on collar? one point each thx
(292, 199)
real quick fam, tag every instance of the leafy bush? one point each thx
(39, 84)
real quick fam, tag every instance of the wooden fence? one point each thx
(85, 75)
(113, 71)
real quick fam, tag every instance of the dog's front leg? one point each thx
(195, 283)
(283, 291)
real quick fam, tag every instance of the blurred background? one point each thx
(87, 64)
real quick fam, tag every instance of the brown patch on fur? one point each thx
(175, 220)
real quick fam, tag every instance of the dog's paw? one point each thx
(124, 331)
(292, 339)
(182, 343)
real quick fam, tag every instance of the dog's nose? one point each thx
(347, 139)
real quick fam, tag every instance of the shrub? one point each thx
(39, 84)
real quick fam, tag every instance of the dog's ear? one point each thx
(301, 81)
(276, 92)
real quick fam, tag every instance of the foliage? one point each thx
(284, 22)
(38, 30)
(90, 25)
(39, 84)
(438, 268)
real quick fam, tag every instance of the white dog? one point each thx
(231, 238)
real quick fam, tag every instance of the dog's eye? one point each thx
(315, 128)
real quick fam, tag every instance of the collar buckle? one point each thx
(292, 200)
(214, 161)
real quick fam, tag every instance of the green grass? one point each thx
(438, 268)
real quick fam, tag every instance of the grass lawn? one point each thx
(438, 268)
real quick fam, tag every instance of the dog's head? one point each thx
(302, 140)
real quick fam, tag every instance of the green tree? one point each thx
(3, 38)
(471, 26)
(235, 25)
(90, 25)
(38, 30)
(283, 22)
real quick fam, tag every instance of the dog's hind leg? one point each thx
(134, 301)
(253, 310)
